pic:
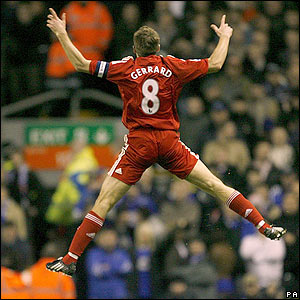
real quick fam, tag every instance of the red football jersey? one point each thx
(150, 86)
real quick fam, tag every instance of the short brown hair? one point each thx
(146, 41)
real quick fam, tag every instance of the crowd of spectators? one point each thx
(166, 239)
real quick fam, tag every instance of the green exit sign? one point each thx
(54, 135)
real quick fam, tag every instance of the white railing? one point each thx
(58, 94)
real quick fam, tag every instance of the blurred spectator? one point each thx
(178, 289)
(194, 116)
(260, 38)
(289, 111)
(232, 233)
(182, 47)
(288, 183)
(218, 114)
(181, 208)
(291, 39)
(175, 8)
(145, 245)
(29, 192)
(89, 192)
(244, 121)
(238, 42)
(25, 43)
(291, 19)
(16, 254)
(167, 30)
(261, 22)
(126, 26)
(176, 250)
(11, 211)
(274, 12)
(41, 284)
(135, 199)
(211, 93)
(260, 197)
(90, 27)
(249, 287)
(196, 269)
(274, 291)
(264, 258)
(252, 179)
(70, 198)
(200, 34)
(289, 218)
(132, 205)
(224, 170)
(276, 84)
(107, 267)
(196, 7)
(264, 109)
(268, 173)
(249, 10)
(236, 149)
(224, 259)
(232, 82)
(148, 184)
(255, 62)
(281, 153)
(292, 74)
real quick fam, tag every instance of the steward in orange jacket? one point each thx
(12, 286)
(90, 26)
(43, 284)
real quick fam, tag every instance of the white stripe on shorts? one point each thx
(124, 148)
(186, 147)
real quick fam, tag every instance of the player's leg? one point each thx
(136, 156)
(203, 178)
(177, 158)
(111, 192)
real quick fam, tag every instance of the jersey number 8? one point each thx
(150, 102)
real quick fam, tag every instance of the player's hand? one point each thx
(223, 30)
(57, 25)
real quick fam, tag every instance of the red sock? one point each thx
(90, 225)
(239, 204)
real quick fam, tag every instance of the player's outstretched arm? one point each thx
(58, 26)
(217, 58)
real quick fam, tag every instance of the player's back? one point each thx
(150, 86)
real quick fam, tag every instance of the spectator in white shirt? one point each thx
(264, 258)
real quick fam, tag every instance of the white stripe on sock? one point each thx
(94, 219)
(260, 224)
(232, 197)
(73, 255)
